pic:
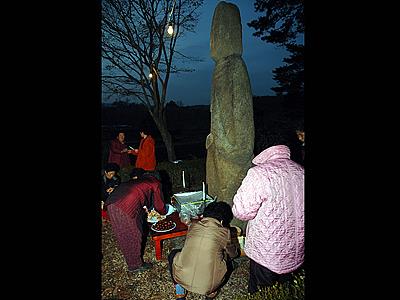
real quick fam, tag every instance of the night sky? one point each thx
(261, 58)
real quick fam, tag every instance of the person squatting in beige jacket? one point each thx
(204, 264)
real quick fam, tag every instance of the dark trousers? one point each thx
(262, 277)
(171, 256)
(229, 266)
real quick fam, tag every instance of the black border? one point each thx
(56, 170)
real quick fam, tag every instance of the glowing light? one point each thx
(170, 29)
(150, 75)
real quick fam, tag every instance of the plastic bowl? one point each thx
(170, 209)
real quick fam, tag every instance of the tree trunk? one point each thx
(166, 136)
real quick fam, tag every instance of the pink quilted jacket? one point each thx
(271, 198)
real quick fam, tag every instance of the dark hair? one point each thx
(136, 172)
(300, 127)
(111, 167)
(145, 130)
(118, 131)
(221, 211)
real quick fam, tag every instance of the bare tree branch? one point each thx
(135, 43)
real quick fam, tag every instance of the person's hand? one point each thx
(109, 190)
(124, 150)
(136, 150)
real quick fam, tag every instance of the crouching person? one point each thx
(125, 207)
(204, 264)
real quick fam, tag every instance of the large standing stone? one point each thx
(231, 141)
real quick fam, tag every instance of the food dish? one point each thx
(154, 216)
(163, 226)
(153, 220)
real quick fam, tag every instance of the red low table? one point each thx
(104, 215)
(158, 237)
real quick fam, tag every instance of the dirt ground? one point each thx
(154, 284)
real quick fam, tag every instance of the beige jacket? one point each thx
(201, 266)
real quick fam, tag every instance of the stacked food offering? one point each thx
(154, 216)
(163, 226)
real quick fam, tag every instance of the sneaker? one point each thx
(144, 267)
(180, 292)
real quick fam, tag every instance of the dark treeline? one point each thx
(180, 118)
(189, 125)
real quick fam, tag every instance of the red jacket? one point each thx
(131, 196)
(146, 155)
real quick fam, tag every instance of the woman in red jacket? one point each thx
(146, 154)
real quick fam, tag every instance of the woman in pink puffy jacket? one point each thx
(271, 199)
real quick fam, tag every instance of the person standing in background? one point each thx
(119, 151)
(301, 137)
(146, 153)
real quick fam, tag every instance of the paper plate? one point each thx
(154, 219)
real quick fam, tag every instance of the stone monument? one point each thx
(230, 143)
